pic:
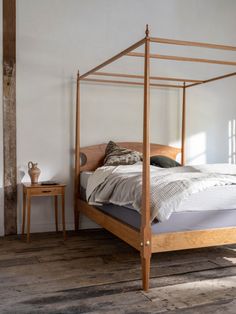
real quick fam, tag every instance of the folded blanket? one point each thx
(122, 185)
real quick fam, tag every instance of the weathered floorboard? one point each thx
(94, 272)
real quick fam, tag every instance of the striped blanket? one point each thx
(122, 185)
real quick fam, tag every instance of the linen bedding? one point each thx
(122, 185)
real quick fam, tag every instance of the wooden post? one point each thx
(9, 116)
(145, 220)
(183, 126)
(77, 155)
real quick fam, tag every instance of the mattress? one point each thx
(218, 210)
(215, 198)
(84, 176)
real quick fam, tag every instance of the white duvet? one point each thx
(122, 185)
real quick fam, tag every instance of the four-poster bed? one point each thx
(143, 239)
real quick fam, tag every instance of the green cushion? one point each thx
(163, 162)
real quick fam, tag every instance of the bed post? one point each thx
(77, 155)
(183, 126)
(145, 219)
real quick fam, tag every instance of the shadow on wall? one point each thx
(198, 149)
(205, 148)
(220, 143)
(165, 122)
(211, 123)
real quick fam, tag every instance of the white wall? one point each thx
(56, 37)
(211, 123)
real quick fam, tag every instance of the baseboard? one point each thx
(50, 227)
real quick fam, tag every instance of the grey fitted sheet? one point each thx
(181, 221)
(214, 208)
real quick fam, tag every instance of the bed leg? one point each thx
(76, 218)
(145, 262)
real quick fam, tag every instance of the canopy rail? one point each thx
(158, 78)
(191, 43)
(179, 58)
(130, 83)
(195, 82)
(117, 56)
(213, 79)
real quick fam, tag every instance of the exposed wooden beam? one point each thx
(185, 59)
(213, 79)
(117, 56)
(191, 43)
(158, 78)
(9, 116)
(130, 83)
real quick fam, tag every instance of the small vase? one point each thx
(33, 172)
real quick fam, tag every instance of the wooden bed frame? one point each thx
(143, 240)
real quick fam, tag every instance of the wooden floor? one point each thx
(93, 272)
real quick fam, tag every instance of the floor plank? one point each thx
(94, 272)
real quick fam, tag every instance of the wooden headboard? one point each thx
(92, 156)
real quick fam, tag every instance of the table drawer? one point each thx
(47, 191)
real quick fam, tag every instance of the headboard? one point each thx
(92, 156)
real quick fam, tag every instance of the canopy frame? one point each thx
(186, 83)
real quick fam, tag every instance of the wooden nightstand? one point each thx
(30, 190)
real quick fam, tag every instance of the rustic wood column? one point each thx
(9, 116)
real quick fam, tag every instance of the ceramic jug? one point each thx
(33, 172)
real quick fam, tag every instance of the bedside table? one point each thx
(30, 190)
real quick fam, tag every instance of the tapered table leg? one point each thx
(23, 214)
(28, 217)
(63, 215)
(56, 212)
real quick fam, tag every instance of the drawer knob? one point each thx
(47, 191)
